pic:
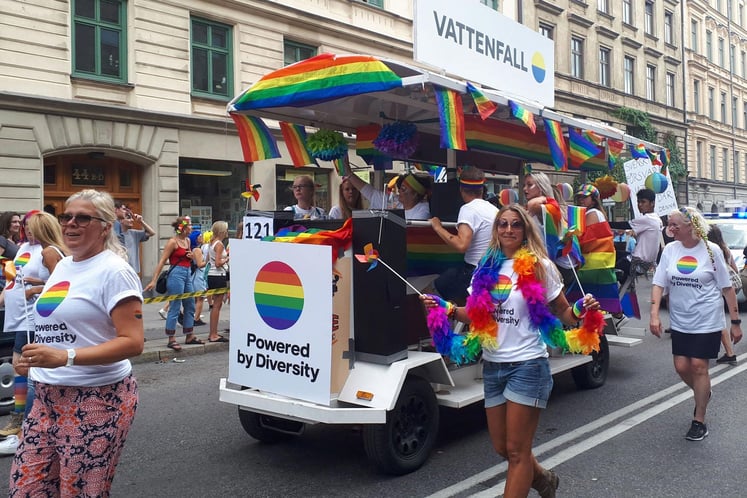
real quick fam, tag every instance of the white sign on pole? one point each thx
(636, 172)
(481, 45)
(281, 318)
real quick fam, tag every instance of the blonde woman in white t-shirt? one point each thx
(217, 276)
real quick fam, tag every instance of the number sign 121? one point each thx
(258, 227)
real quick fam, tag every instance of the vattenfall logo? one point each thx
(490, 46)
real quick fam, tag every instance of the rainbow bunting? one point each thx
(295, 139)
(484, 105)
(318, 79)
(558, 148)
(595, 138)
(614, 149)
(581, 148)
(257, 143)
(665, 157)
(638, 151)
(451, 116)
(523, 115)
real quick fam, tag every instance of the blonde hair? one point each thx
(533, 240)
(347, 209)
(47, 231)
(691, 216)
(103, 204)
(219, 228)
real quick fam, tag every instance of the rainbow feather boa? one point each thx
(483, 330)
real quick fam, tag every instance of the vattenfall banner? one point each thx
(480, 45)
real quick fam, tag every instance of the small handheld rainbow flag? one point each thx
(638, 151)
(451, 116)
(295, 139)
(484, 105)
(581, 148)
(576, 220)
(523, 115)
(257, 143)
(558, 148)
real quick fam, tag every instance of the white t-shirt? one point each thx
(694, 287)
(74, 311)
(335, 213)
(132, 240)
(377, 200)
(647, 230)
(479, 215)
(518, 340)
(28, 263)
(314, 213)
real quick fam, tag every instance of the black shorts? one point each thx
(217, 282)
(703, 346)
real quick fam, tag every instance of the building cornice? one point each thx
(548, 7)
(607, 33)
(652, 52)
(632, 43)
(580, 20)
(672, 61)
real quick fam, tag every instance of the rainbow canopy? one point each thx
(319, 79)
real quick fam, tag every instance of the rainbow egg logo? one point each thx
(278, 295)
(51, 299)
(687, 264)
(538, 67)
(502, 289)
(22, 259)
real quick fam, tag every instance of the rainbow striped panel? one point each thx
(427, 254)
(257, 143)
(295, 139)
(451, 115)
(318, 79)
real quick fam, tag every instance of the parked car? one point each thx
(734, 229)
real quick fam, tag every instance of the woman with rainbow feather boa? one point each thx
(516, 309)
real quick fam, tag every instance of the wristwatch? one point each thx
(70, 357)
(737, 322)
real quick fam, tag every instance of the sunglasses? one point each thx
(82, 220)
(515, 225)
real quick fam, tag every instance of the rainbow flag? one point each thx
(576, 219)
(629, 304)
(553, 226)
(484, 105)
(614, 149)
(318, 79)
(558, 148)
(581, 148)
(340, 166)
(523, 115)
(364, 147)
(665, 157)
(593, 137)
(638, 151)
(427, 254)
(451, 116)
(295, 139)
(572, 250)
(257, 143)
(597, 275)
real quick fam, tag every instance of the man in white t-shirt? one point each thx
(647, 228)
(474, 231)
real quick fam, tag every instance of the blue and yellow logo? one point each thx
(538, 67)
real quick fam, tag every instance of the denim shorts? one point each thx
(525, 382)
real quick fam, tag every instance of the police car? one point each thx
(734, 229)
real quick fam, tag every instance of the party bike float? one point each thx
(326, 322)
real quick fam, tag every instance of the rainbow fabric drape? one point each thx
(257, 142)
(295, 139)
(427, 254)
(451, 116)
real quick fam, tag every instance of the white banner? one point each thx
(636, 172)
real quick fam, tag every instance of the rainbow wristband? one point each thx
(449, 307)
(578, 309)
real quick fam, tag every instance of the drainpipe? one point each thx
(684, 102)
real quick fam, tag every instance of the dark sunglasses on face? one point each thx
(515, 225)
(82, 220)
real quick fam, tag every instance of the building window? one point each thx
(696, 96)
(99, 39)
(732, 60)
(699, 159)
(736, 167)
(629, 70)
(577, 57)
(670, 89)
(723, 107)
(740, 19)
(547, 31)
(744, 114)
(603, 6)
(743, 63)
(380, 3)
(211, 59)
(668, 28)
(709, 46)
(493, 4)
(721, 52)
(604, 66)
(651, 82)
(627, 12)
(734, 115)
(694, 35)
(294, 52)
(725, 162)
(648, 25)
(712, 161)
(711, 104)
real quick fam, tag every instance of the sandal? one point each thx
(174, 345)
(194, 342)
(219, 339)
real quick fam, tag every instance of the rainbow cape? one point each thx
(484, 105)
(638, 151)
(558, 147)
(318, 79)
(581, 149)
(295, 139)
(451, 116)
(597, 275)
(523, 115)
(257, 143)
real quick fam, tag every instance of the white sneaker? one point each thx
(8, 445)
(163, 313)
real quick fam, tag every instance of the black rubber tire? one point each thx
(404, 443)
(263, 427)
(594, 374)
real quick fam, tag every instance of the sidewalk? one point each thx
(155, 338)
